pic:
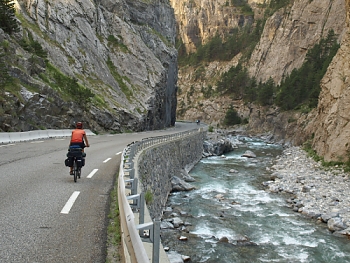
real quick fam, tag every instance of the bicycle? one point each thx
(76, 160)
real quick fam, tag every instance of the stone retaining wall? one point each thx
(158, 164)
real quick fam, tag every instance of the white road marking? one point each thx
(37, 142)
(118, 153)
(92, 173)
(70, 203)
(107, 160)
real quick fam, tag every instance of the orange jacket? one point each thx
(77, 136)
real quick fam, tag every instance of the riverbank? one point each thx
(317, 192)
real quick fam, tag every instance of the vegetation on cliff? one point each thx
(9, 24)
(300, 89)
(297, 91)
(8, 21)
(68, 87)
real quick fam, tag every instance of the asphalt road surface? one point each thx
(45, 216)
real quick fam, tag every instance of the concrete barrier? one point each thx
(32, 135)
(15, 136)
(4, 137)
(67, 133)
(43, 134)
(10, 137)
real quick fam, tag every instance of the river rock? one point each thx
(336, 224)
(223, 240)
(185, 258)
(180, 185)
(249, 154)
(319, 193)
(186, 177)
(219, 196)
(177, 222)
(218, 147)
(174, 257)
(166, 225)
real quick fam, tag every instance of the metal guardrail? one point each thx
(129, 204)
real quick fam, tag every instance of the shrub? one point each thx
(231, 117)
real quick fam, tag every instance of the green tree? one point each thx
(29, 44)
(8, 20)
(265, 92)
(302, 86)
(231, 117)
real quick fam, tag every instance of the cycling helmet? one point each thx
(79, 125)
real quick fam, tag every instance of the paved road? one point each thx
(35, 188)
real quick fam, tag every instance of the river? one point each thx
(229, 217)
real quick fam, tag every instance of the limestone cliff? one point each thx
(291, 32)
(287, 36)
(331, 124)
(122, 50)
(200, 20)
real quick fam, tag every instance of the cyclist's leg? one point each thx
(71, 167)
(75, 170)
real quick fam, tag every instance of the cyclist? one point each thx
(78, 138)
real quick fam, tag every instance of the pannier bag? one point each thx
(75, 152)
(80, 161)
(69, 162)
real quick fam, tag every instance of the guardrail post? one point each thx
(153, 236)
(130, 173)
(142, 208)
(135, 201)
(133, 185)
(156, 241)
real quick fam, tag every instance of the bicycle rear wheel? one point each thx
(79, 172)
(75, 170)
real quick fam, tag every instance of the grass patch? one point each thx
(116, 43)
(68, 87)
(148, 197)
(121, 80)
(307, 147)
(113, 229)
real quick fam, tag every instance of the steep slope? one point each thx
(291, 32)
(331, 125)
(200, 20)
(123, 51)
(287, 36)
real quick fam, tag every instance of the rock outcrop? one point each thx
(199, 21)
(330, 125)
(291, 32)
(123, 51)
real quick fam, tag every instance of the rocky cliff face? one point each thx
(200, 20)
(286, 38)
(330, 124)
(289, 34)
(122, 50)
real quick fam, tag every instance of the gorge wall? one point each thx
(287, 36)
(123, 51)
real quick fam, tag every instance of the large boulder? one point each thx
(218, 147)
(180, 185)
